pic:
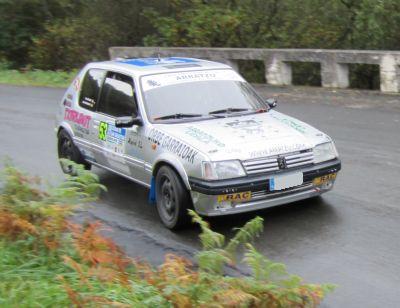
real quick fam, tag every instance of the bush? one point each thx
(70, 44)
(47, 261)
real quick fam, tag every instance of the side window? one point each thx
(91, 88)
(117, 96)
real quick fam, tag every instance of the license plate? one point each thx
(325, 178)
(241, 196)
(285, 181)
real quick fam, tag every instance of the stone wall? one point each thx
(278, 71)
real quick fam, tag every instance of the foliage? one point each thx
(277, 24)
(26, 210)
(37, 78)
(22, 20)
(45, 260)
(65, 34)
(195, 25)
(338, 24)
(71, 43)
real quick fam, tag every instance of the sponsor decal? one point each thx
(135, 141)
(103, 127)
(325, 178)
(277, 149)
(87, 101)
(67, 103)
(203, 136)
(160, 80)
(250, 127)
(158, 138)
(292, 123)
(81, 130)
(77, 117)
(77, 83)
(196, 76)
(153, 83)
(113, 136)
(243, 123)
(242, 196)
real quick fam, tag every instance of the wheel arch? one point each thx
(67, 128)
(174, 165)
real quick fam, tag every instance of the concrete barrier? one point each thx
(278, 71)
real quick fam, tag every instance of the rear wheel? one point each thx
(173, 199)
(68, 150)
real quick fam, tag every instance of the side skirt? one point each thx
(121, 174)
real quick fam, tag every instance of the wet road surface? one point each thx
(350, 236)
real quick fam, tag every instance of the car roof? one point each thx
(145, 66)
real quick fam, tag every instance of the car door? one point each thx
(121, 147)
(84, 114)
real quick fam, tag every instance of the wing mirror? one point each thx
(128, 121)
(271, 102)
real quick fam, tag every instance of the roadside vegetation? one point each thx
(47, 261)
(65, 34)
(37, 78)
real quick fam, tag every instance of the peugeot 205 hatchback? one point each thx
(195, 133)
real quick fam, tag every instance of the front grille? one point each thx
(266, 194)
(268, 164)
(299, 159)
(260, 165)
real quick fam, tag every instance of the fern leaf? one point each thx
(209, 239)
(245, 234)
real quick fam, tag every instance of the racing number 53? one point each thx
(103, 127)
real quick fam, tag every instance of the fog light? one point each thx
(224, 205)
(327, 185)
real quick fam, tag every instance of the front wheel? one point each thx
(68, 150)
(173, 199)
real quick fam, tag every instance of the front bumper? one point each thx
(205, 193)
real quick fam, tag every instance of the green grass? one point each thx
(29, 279)
(59, 79)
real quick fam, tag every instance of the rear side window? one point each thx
(117, 97)
(91, 88)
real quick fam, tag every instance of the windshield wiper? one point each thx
(228, 110)
(179, 116)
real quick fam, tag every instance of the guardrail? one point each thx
(278, 70)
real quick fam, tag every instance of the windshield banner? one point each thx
(161, 80)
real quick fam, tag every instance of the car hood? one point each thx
(247, 137)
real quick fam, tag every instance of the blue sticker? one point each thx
(157, 61)
(271, 184)
(115, 135)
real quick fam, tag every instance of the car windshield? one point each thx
(198, 94)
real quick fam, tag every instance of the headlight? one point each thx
(220, 170)
(324, 152)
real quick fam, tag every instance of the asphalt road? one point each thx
(350, 236)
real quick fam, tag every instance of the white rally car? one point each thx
(195, 133)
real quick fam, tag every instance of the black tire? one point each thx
(173, 199)
(68, 150)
